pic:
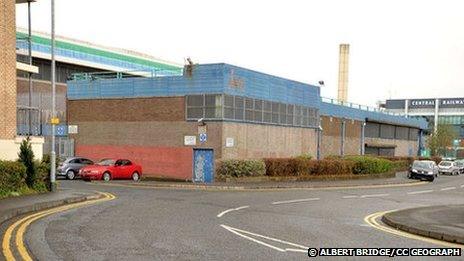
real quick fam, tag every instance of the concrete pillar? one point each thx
(437, 106)
(363, 128)
(406, 107)
(7, 70)
(342, 147)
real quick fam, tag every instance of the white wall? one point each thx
(9, 148)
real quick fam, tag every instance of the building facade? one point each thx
(72, 56)
(228, 111)
(448, 111)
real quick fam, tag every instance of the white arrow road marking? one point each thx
(241, 233)
(374, 195)
(231, 209)
(294, 201)
(449, 188)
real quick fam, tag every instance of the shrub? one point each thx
(26, 156)
(332, 167)
(12, 177)
(369, 164)
(241, 168)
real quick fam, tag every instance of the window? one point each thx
(216, 106)
(267, 112)
(204, 106)
(239, 108)
(258, 111)
(372, 130)
(387, 131)
(87, 161)
(402, 133)
(126, 163)
(413, 134)
(249, 109)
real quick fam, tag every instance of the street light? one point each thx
(53, 120)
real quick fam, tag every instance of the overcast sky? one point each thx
(398, 49)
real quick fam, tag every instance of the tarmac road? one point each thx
(175, 224)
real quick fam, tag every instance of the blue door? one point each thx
(203, 165)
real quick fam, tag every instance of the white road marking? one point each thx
(349, 196)
(241, 233)
(296, 250)
(374, 195)
(448, 188)
(462, 186)
(419, 192)
(294, 201)
(231, 209)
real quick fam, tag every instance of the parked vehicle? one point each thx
(70, 167)
(108, 169)
(460, 164)
(448, 167)
(422, 169)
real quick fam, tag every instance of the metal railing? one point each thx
(123, 74)
(360, 107)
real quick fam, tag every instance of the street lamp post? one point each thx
(53, 120)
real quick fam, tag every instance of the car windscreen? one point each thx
(422, 165)
(445, 163)
(106, 162)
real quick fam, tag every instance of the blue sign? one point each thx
(203, 137)
(60, 130)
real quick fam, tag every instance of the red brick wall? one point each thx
(156, 161)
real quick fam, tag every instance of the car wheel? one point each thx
(70, 175)
(106, 177)
(431, 179)
(135, 176)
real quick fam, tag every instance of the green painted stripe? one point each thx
(98, 52)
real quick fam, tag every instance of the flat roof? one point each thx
(78, 51)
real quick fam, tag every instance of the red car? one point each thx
(108, 169)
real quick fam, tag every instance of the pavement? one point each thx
(15, 206)
(439, 222)
(149, 223)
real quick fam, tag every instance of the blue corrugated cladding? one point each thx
(244, 82)
(208, 78)
(335, 110)
(228, 79)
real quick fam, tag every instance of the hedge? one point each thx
(304, 166)
(369, 165)
(241, 168)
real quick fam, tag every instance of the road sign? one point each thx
(60, 130)
(190, 140)
(72, 129)
(203, 137)
(55, 121)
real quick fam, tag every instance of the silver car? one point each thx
(70, 166)
(448, 167)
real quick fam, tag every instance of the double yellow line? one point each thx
(372, 221)
(23, 223)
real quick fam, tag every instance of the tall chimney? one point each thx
(343, 72)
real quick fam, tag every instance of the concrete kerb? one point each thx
(253, 187)
(9, 214)
(394, 219)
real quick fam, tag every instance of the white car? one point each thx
(448, 167)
